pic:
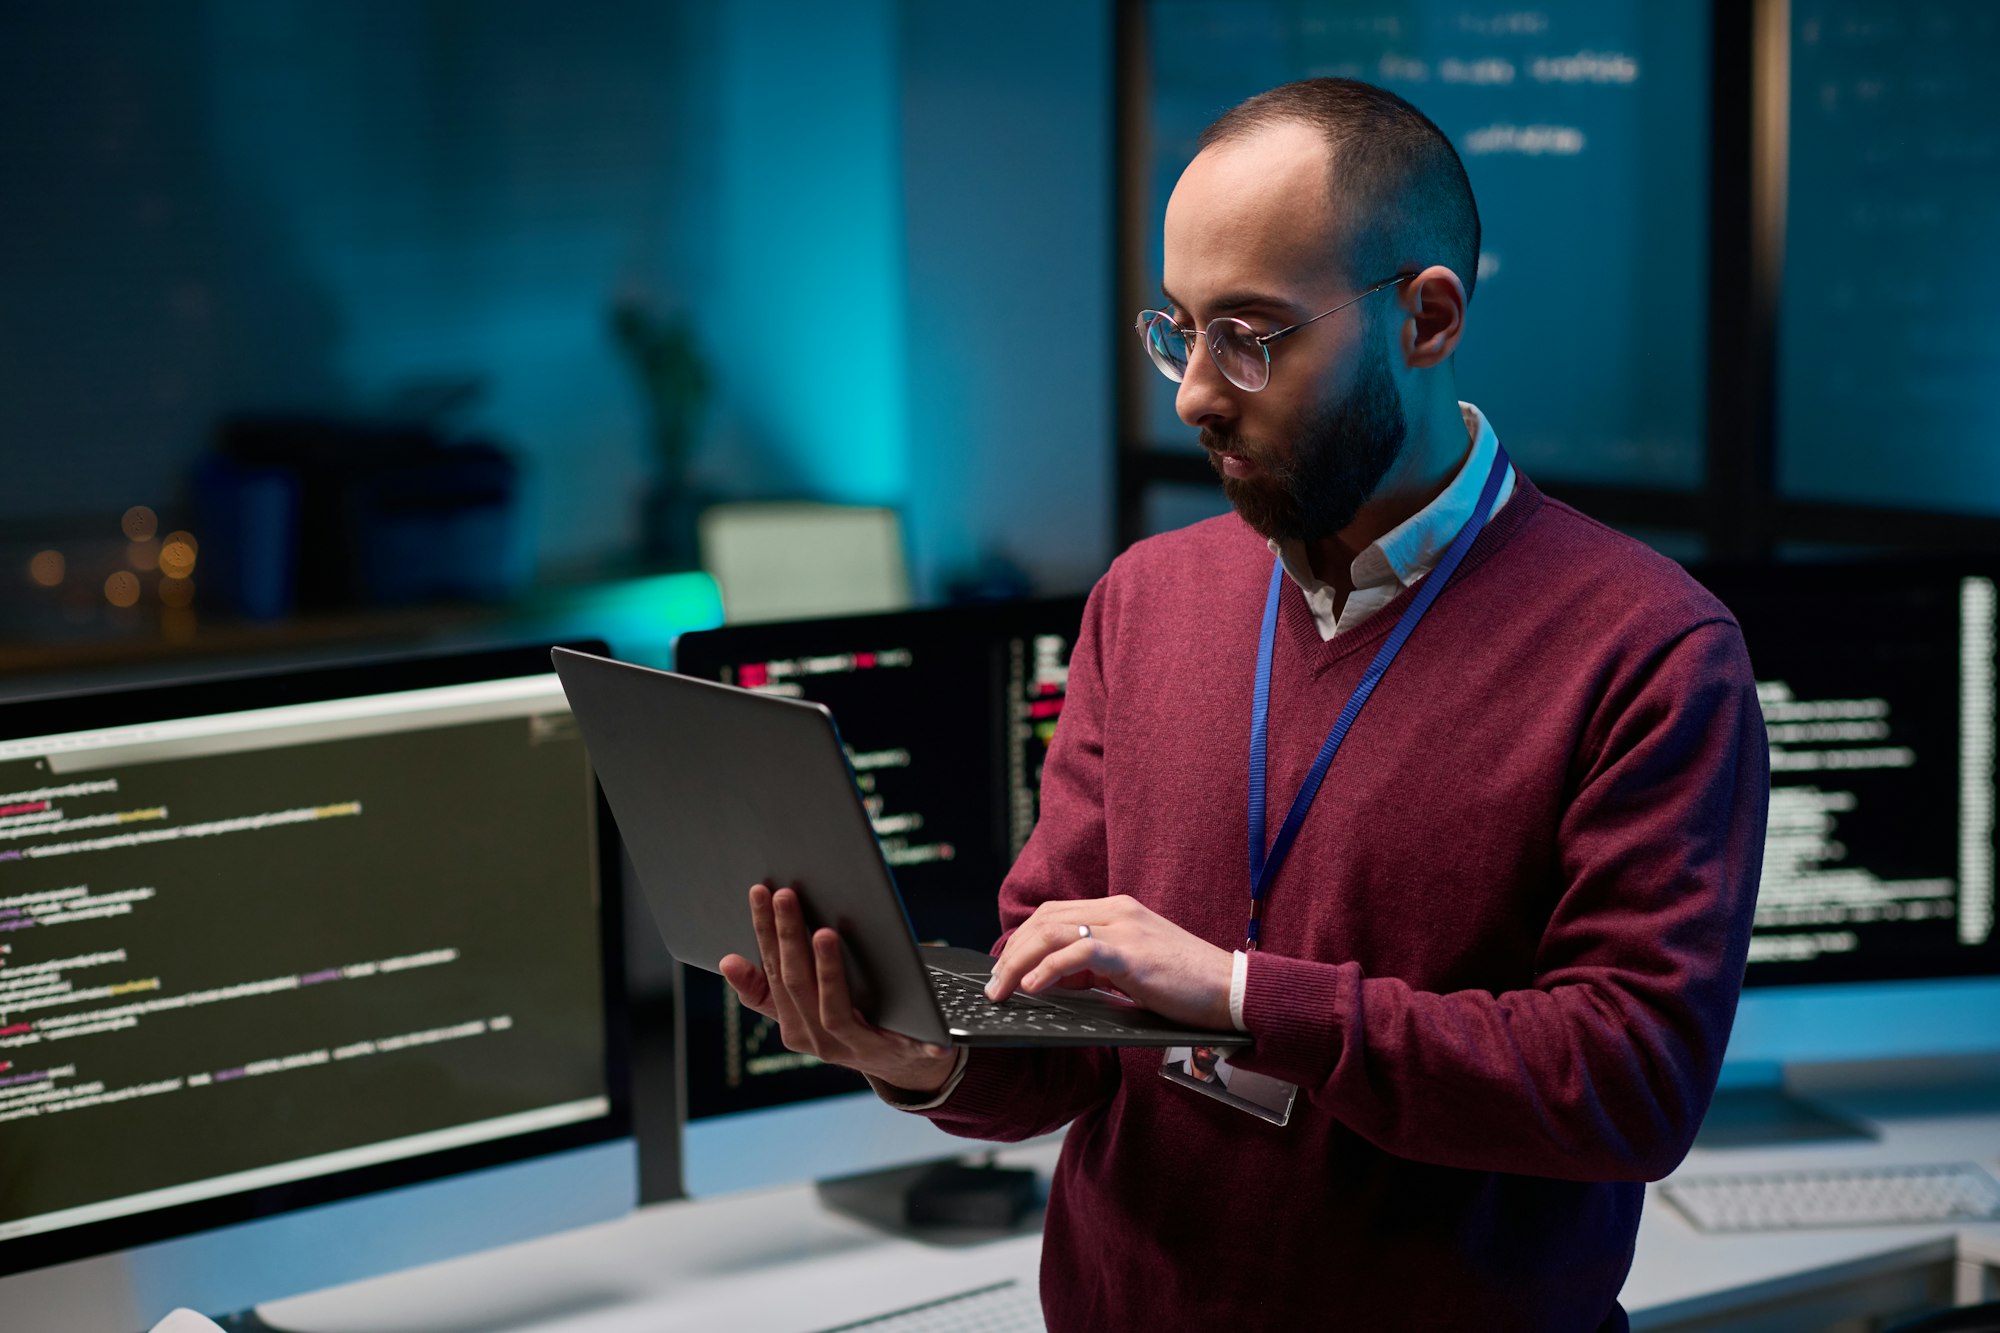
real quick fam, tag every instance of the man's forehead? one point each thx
(1252, 214)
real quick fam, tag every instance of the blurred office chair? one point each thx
(783, 561)
(1965, 1319)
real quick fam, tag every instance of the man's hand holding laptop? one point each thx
(802, 985)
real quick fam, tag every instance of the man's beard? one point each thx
(1339, 453)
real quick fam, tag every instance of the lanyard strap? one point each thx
(1264, 866)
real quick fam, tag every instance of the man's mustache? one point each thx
(1217, 442)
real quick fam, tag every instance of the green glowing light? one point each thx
(639, 618)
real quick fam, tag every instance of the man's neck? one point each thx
(1436, 449)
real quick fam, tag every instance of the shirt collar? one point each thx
(1413, 547)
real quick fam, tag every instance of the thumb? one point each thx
(748, 981)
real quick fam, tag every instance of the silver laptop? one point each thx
(717, 788)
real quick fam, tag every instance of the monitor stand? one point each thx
(1753, 1109)
(947, 1202)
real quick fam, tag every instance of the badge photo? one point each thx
(1208, 1071)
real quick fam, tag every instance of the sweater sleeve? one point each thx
(1604, 1067)
(1012, 1094)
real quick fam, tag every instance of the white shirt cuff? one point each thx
(1239, 978)
(897, 1098)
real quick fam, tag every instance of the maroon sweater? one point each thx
(1501, 962)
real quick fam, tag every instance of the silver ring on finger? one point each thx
(1083, 933)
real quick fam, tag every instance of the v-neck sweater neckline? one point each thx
(1302, 631)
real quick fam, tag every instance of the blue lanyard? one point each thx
(1264, 866)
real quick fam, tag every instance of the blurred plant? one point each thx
(666, 357)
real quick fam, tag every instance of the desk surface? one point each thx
(1679, 1273)
(775, 1261)
(779, 1262)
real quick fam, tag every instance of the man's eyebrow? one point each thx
(1240, 300)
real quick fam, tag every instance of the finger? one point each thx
(764, 925)
(1058, 922)
(798, 977)
(1025, 948)
(1009, 964)
(1000, 982)
(763, 920)
(837, 1011)
(747, 980)
(1091, 955)
(1059, 932)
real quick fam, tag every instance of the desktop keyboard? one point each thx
(1849, 1197)
(1004, 1307)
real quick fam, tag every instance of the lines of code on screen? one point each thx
(1878, 701)
(226, 962)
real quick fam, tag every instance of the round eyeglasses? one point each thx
(1242, 354)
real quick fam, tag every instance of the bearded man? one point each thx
(1494, 923)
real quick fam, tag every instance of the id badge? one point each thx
(1207, 1070)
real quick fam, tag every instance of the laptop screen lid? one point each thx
(715, 789)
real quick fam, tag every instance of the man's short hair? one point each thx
(1398, 183)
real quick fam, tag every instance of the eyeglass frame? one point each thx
(1262, 340)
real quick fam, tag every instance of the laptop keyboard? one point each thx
(966, 1008)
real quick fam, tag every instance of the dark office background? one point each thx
(379, 212)
(1734, 258)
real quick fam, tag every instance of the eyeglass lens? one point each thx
(1166, 344)
(1238, 354)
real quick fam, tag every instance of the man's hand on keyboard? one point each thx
(802, 984)
(1121, 941)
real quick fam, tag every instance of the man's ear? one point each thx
(1434, 316)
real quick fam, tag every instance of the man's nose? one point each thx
(1205, 398)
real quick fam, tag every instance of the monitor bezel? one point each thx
(242, 691)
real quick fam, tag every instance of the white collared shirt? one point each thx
(1407, 551)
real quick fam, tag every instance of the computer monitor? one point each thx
(304, 976)
(1874, 935)
(947, 715)
(1584, 128)
(783, 560)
